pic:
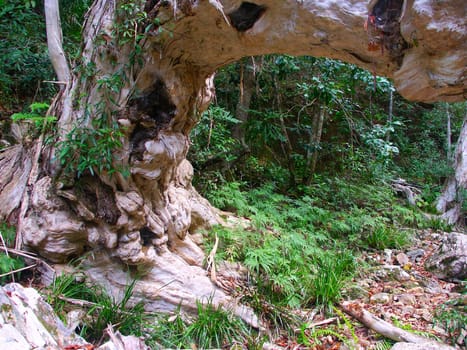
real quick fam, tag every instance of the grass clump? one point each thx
(213, 327)
(383, 237)
(101, 308)
(333, 271)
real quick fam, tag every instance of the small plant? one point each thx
(102, 309)
(382, 237)
(215, 327)
(8, 263)
(90, 150)
(452, 316)
(333, 269)
(66, 286)
(37, 116)
(170, 332)
(129, 320)
(230, 197)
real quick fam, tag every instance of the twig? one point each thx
(80, 302)
(56, 82)
(19, 252)
(18, 270)
(26, 255)
(4, 244)
(319, 323)
(211, 262)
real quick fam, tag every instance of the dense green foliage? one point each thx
(315, 202)
(23, 49)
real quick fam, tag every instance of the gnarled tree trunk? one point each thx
(145, 75)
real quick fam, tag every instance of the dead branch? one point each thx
(411, 192)
(17, 270)
(211, 263)
(319, 323)
(382, 327)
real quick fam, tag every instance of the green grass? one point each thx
(212, 327)
(301, 249)
(383, 237)
(101, 308)
(334, 269)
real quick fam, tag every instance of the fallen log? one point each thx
(386, 329)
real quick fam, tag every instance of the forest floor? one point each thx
(398, 289)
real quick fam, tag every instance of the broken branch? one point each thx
(380, 326)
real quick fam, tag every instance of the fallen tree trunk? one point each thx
(386, 329)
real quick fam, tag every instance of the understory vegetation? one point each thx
(304, 152)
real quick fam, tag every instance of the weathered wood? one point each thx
(449, 203)
(384, 328)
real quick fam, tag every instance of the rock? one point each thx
(406, 299)
(270, 346)
(118, 341)
(388, 256)
(415, 290)
(393, 272)
(449, 262)
(380, 298)
(416, 255)
(424, 346)
(402, 259)
(355, 292)
(427, 316)
(28, 322)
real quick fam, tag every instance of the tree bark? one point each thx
(146, 72)
(317, 137)
(448, 134)
(451, 200)
(247, 88)
(54, 40)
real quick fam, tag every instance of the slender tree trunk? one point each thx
(450, 202)
(317, 137)
(54, 41)
(247, 88)
(286, 146)
(314, 142)
(448, 134)
(391, 102)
